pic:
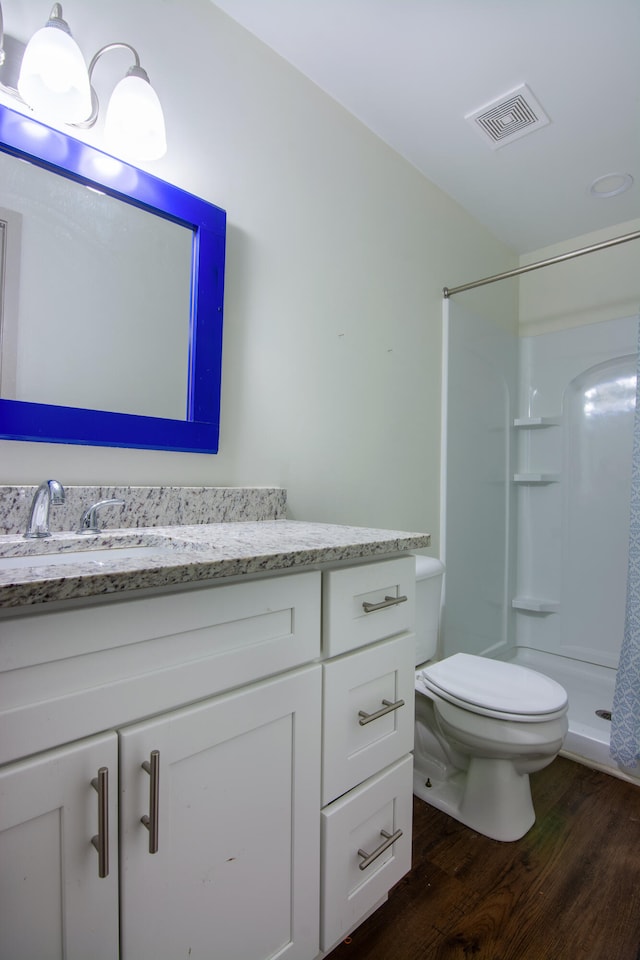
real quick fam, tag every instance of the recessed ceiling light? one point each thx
(610, 185)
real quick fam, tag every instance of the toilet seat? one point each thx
(493, 688)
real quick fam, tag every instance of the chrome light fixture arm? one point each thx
(9, 88)
(134, 71)
(56, 19)
(2, 55)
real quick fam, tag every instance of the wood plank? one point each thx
(568, 890)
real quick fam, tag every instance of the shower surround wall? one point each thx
(576, 410)
(536, 489)
(574, 533)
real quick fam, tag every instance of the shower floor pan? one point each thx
(589, 688)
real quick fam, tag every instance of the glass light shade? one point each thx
(134, 124)
(53, 79)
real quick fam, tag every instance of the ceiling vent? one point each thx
(508, 118)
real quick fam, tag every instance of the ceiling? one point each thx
(412, 70)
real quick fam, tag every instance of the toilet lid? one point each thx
(495, 687)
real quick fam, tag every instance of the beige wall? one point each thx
(602, 285)
(338, 250)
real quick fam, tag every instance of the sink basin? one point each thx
(86, 558)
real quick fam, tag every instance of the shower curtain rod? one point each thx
(446, 292)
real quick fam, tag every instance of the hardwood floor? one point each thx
(568, 890)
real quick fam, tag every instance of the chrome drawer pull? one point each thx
(388, 708)
(152, 767)
(101, 841)
(387, 602)
(390, 838)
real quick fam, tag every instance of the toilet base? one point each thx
(490, 797)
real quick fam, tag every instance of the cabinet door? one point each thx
(236, 872)
(53, 904)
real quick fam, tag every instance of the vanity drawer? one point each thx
(362, 822)
(70, 673)
(354, 746)
(367, 603)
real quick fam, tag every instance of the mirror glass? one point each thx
(111, 287)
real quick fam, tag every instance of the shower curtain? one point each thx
(625, 727)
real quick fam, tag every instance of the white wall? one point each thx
(338, 250)
(597, 286)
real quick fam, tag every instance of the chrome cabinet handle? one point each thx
(387, 602)
(101, 840)
(389, 839)
(388, 707)
(151, 822)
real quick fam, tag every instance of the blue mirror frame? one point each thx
(31, 140)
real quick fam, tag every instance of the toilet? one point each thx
(482, 726)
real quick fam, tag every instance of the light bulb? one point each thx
(134, 123)
(54, 80)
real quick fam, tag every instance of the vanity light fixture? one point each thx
(55, 82)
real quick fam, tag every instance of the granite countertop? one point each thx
(182, 554)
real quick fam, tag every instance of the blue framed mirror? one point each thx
(111, 299)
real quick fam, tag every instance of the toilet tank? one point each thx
(429, 572)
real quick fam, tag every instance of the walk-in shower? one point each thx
(537, 447)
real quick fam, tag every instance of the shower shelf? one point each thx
(535, 605)
(536, 478)
(528, 423)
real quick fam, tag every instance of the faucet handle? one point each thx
(89, 519)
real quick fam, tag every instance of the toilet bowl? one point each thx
(482, 726)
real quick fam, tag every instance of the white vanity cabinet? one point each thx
(256, 739)
(236, 872)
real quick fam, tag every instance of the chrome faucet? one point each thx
(48, 493)
(89, 519)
